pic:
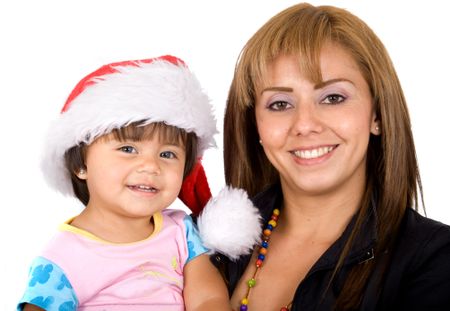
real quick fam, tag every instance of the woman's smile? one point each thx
(313, 153)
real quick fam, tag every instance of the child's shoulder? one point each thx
(176, 217)
(174, 213)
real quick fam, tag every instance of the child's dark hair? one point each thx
(75, 156)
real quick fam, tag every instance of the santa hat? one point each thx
(160, 89)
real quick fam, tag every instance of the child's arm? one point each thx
(30, 307)
(47, 288)
(204, 287)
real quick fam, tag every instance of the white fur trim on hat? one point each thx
(156, 91)
(230, 224)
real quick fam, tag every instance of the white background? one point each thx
(46, 47)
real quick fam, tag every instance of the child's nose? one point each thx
(149, 165)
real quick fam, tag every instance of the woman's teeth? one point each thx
(313, 153)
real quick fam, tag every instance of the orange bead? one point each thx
(263, 250)
(267, 232)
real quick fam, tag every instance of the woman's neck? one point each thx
(320, 217)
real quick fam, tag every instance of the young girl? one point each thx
(127, 137)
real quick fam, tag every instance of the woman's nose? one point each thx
(306, 120)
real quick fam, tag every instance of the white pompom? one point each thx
(230, 224)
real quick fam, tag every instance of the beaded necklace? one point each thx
(271, 224)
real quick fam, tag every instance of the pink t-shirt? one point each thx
(145, 275)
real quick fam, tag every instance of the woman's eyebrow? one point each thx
(317, 86)
(278, 88)
(328, 82)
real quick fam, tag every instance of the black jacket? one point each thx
(417, 275)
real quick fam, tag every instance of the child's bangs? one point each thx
(139, 131)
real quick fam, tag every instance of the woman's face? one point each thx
(316, 135)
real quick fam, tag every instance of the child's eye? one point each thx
(128, 149)
(279, 105)
(333, 99)
(168, 155)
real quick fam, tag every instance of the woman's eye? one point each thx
(333, 99)
(279, 105)
(168, 155)
(128, 149)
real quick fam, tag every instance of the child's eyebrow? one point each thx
(172, 144)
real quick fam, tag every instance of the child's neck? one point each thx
(114, 228)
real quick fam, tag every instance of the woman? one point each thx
(319, 123)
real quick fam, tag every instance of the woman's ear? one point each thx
(375, 128)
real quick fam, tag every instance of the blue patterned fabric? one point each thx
(194, 242)
(48, 288)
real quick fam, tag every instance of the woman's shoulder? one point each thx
(423, 228)
(268, 199)
(420, 271)
(422, 239)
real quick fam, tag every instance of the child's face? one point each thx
(133, 178)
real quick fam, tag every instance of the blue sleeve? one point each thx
(194, 242)
(48, 288)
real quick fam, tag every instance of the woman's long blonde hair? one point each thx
(392, 169)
